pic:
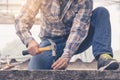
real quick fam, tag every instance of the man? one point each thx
(71, 26)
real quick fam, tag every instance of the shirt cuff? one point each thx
(27, 40)
(67, 53)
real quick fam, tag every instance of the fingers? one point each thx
(61, 63)
(57, 64)
(61, 66)
(33, 47)
(33, 50)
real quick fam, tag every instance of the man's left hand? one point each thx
(61, 63)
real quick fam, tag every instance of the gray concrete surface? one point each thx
(60, 75)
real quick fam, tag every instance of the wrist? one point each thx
(67, 53)
(66, 57)
(28, 40)
(33, 43)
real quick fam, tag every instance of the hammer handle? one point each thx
(25, 52)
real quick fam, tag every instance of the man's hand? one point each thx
(61, 63)
(33, 47)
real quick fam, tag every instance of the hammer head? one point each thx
(53, 47)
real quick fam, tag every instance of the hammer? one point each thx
(47, 48)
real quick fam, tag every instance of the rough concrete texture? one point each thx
(80, 65)
(59, 75)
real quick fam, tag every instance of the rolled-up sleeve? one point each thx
(25, 20)
(79, 28)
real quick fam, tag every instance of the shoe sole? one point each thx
(113, 65)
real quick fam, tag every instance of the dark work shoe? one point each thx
(107, 63)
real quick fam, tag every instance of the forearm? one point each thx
(23, 29)
(24, 21)
(79, 29)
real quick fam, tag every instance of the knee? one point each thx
(41, 61)
(101, 11)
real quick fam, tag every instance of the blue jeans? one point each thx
(99, 37)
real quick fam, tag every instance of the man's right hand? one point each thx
(33, 47)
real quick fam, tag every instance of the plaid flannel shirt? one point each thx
(59, 18)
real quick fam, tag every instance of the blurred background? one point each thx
(11, 46)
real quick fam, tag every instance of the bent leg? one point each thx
(100, 20)
(99, 35)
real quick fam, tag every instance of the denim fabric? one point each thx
(99, 36)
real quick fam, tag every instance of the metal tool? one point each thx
(47, 48)
(53, 45)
